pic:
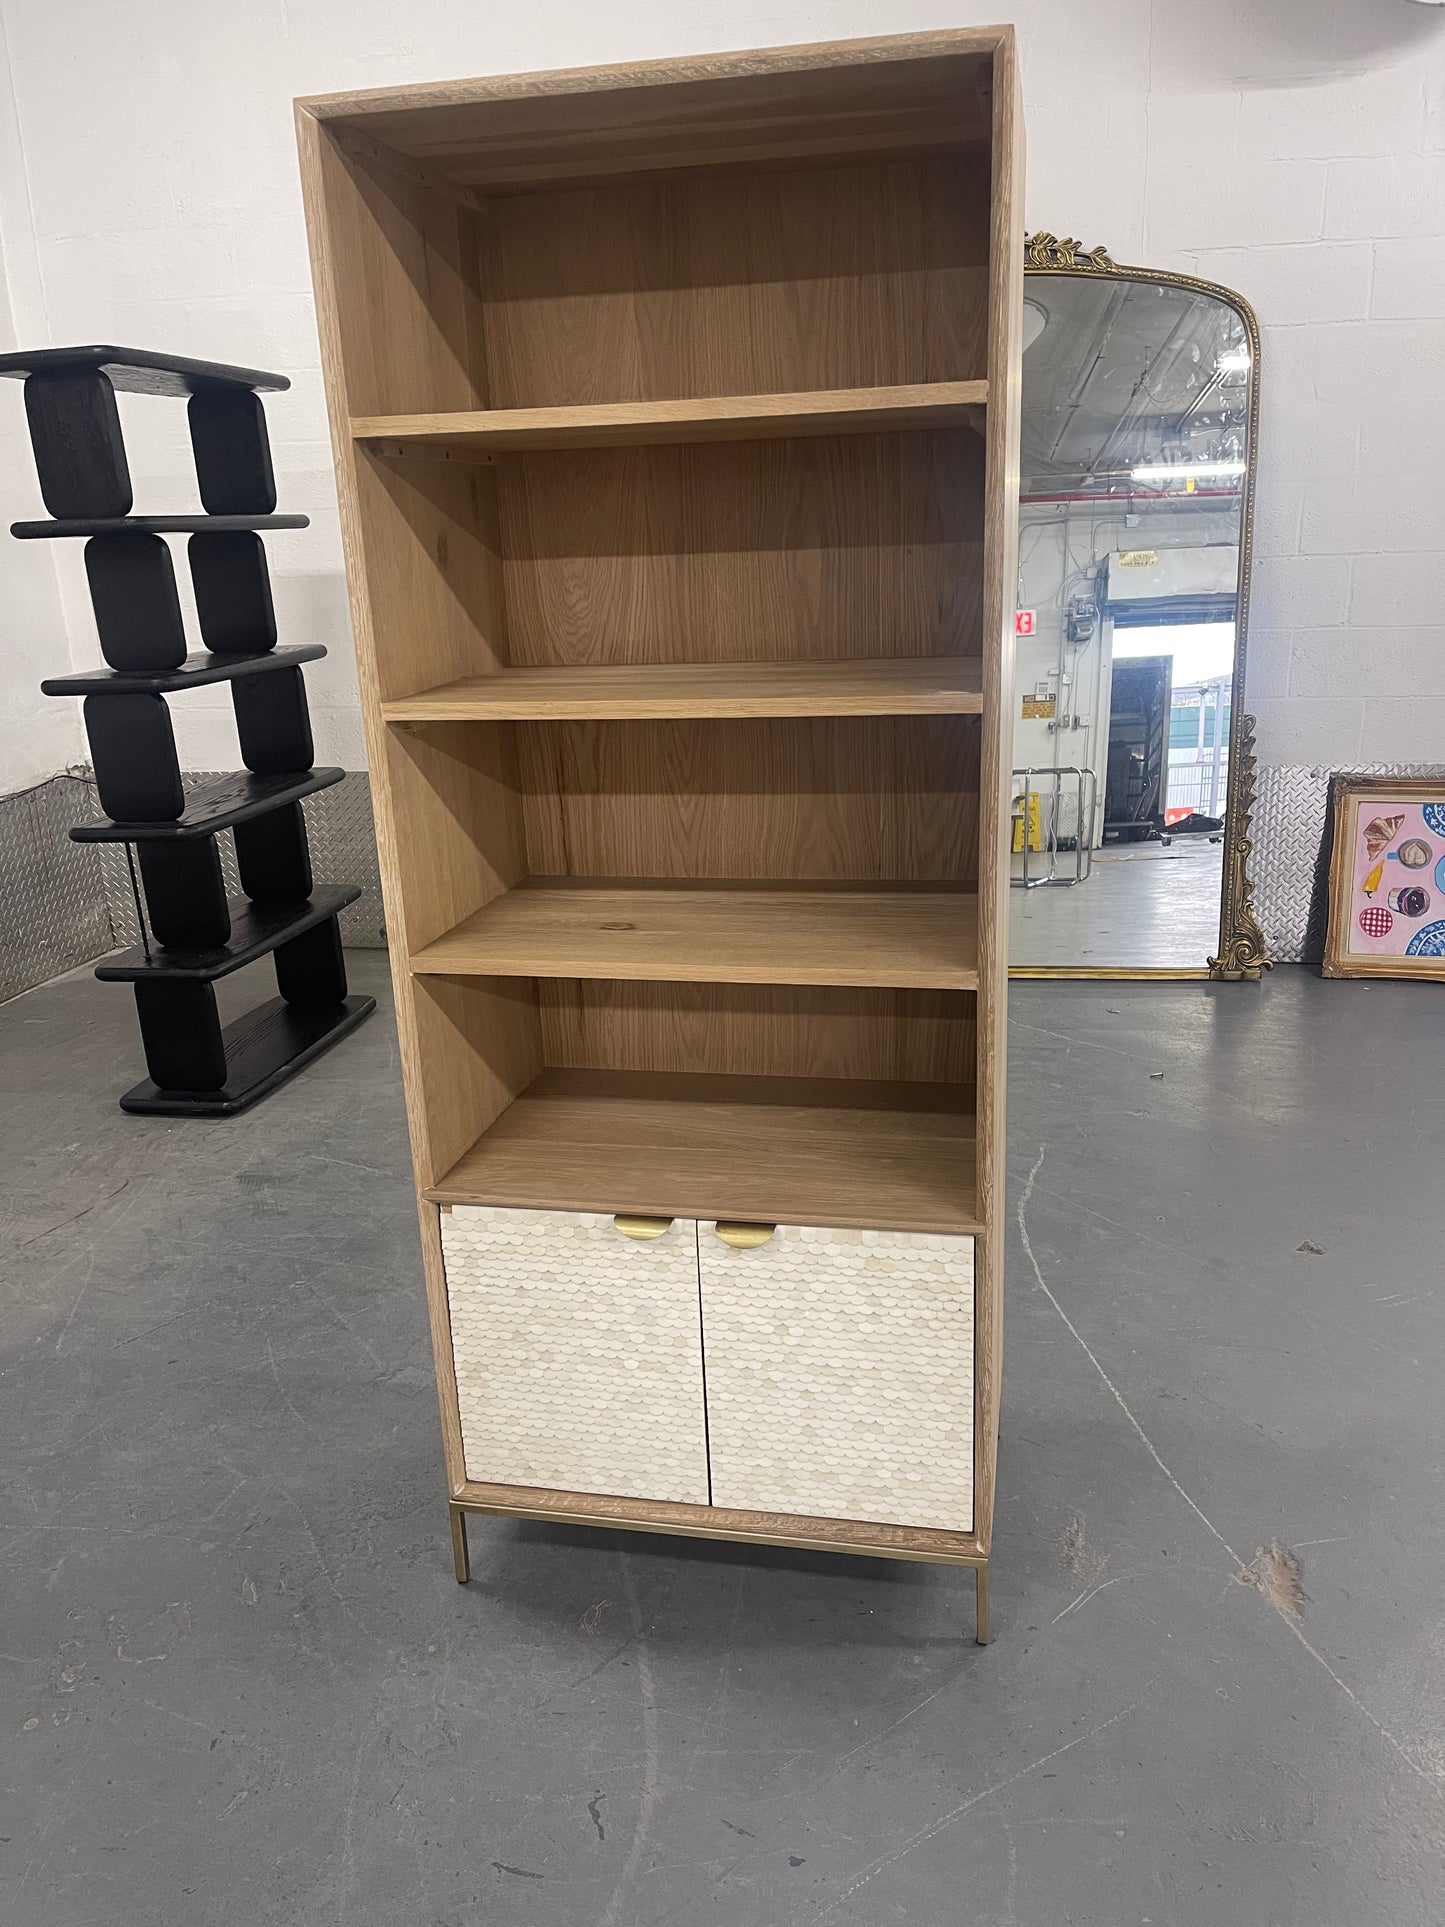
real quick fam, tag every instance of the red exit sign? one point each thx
(1025, 622)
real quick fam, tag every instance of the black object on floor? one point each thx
(197, 1067)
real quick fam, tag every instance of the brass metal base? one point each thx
(461, 1558)
(1171, 973)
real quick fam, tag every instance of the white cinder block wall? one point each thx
(1294, 149)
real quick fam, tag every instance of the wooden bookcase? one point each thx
(675, 411)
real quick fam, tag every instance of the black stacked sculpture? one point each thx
(196, 1068)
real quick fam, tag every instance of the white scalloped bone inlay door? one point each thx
(840, 1374)
(578, 1354)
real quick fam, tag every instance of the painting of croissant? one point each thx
(1380, 834)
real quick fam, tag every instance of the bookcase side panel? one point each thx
(430, 532)
(479, 1045)
(457, 808)
(464, 1054)
(1000, 591)
(408, 321)
(328, 199)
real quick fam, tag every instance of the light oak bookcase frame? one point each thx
(675, 414)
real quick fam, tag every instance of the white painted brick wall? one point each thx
(38, 736)
(1294, 150)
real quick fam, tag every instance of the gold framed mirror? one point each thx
(1133, 752)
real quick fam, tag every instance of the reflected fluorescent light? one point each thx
(1036, 319)
(1188, 471)
(1237, 361)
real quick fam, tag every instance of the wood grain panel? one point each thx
(432, 540)
(1000, 592)
(454, 794)
(694, 284)
(759, 1030)
(478, 1044)
(330, 224)
(831, 98)
(848, 799)
(721, 1522)
(477, 434)
(731, 1148)
(730, 935)
(408, 311)
(899, 686)
(863, 546)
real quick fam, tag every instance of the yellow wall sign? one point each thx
(1038, 707)
(1140, 559)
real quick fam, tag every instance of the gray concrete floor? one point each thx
(240, 1684)
(1143, 907)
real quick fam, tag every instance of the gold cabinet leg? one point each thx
(459, 1545)
(980, 1604)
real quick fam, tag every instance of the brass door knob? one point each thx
(643, 1229)
(745, 1237)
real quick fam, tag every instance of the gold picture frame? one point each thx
(1242, 954)
(1377, 822)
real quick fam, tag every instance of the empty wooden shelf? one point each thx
(890, 686)
(713, 418)
(771, 1149)
(675, 418)
(738, 934)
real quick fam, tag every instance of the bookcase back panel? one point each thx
(861, 799)
(813, 550)
(709, 283)
(759, 1030)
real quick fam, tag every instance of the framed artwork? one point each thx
(1387, 878)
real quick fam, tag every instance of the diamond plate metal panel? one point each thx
(53, 911)
(1290, 861)
(342, 835)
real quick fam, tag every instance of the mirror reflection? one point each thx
(1134, 471)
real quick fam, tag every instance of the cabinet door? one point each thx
(578, 1352)
(840, 1373)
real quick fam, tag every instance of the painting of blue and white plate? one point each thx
(1434, 815)
(1429, 942)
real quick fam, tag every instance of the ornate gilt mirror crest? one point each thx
(1133, 783)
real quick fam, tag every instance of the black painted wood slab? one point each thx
(214, 806)
(140, 371)
(199, 667)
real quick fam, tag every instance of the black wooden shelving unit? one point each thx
(192, 932)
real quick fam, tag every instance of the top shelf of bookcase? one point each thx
(506, 133)
(708, 418)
